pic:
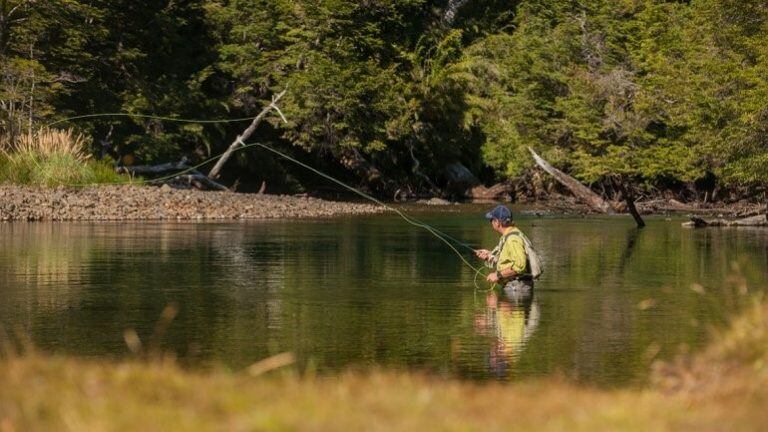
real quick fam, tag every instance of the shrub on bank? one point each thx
(50, 158)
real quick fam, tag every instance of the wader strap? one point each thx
(520, 276)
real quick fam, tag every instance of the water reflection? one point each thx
(509, 319)
(374, 291)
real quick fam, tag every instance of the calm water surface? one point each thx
(372, 291)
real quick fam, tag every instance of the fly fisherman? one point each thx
(508, 259)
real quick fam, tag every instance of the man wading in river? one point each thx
(508, 258)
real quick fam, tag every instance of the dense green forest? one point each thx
(669, 95)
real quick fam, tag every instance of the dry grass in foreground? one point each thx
(723, 388)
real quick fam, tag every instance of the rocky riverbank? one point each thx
(110, 203)
(128, 202)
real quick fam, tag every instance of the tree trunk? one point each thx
(240, 140)
(450, 11)
(433, 189)
(629, 197)
(579, 190)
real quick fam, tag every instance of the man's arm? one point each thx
(483, 254)
(501, 274)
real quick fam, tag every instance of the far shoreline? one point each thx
(115, 203)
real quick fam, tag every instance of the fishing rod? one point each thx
(409, 219)
(444, 237)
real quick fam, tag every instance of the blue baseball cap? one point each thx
(501, 213)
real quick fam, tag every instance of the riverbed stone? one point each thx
(129, 202)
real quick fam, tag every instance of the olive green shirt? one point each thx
(512, 254)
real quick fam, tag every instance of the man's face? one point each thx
(495, 224)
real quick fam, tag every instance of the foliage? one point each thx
(713, 78)
(52, 158)
(658, 91)
(571, 85)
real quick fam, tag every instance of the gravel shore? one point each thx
(111, 203)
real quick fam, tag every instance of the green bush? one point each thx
(55, 170)
(52, 158)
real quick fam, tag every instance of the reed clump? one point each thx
(52, 157)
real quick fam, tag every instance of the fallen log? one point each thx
(154, 169)
(754, 221)
(195, 179)
(579, 190)
(187, 175)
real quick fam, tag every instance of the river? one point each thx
(373, 292)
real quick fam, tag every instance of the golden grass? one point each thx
(65, 394)
(47, 143)
(52, 157)
(723, 388)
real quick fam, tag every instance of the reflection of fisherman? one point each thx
(508, 258)
(510, 322)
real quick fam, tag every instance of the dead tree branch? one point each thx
(240, 140)
(579, 190)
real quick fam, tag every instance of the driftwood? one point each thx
(154, 169)
(240, 140)
(195, 179)
(581, 192)
(754, 221)
(188, 175)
